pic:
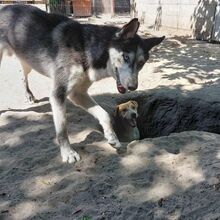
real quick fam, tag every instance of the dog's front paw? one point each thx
(69, 156)
(113, 141)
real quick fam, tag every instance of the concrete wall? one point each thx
(103, 7)
(194, 16)
(111, 6)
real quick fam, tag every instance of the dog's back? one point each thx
(26, 30)
(39, 38)
(23, 18)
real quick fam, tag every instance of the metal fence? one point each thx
(79, 8)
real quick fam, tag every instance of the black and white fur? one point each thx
(74, 55)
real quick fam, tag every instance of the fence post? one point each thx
(93, 8)
(133, 8)
(112, 5)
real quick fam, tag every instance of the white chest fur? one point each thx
(98, 74)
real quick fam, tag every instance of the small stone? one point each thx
(160, 202)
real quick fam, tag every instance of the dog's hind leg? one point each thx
(26, 70)
(1, 53)
(58, 104)
(82, 99)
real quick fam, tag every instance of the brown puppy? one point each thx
(126, 121)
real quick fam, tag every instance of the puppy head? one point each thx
(128, 111)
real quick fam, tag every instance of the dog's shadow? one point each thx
(41, 106)
(97, 136)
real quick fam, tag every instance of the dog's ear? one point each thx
(129, 30)
(151, 42)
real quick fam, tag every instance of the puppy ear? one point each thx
(129, 30)
(151, 42)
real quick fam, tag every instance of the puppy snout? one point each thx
(133, 115)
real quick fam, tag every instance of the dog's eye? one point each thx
(126, 58)
(124, 110)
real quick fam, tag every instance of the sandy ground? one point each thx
(171, 177)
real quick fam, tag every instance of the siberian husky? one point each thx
(74, 55)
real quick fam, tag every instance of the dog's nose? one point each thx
(133, 115)
(132, 88)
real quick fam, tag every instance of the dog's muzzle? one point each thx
(120, 87)
(133, 120)
(132, 88)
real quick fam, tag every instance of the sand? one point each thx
(169, 177)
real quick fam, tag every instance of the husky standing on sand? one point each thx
(74, 55)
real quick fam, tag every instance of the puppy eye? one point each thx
(126, 58)
(124, 110)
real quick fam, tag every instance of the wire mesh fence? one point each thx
(79, 8)
(60, 6)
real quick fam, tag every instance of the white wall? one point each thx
(195, 16)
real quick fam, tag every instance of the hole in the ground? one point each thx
(161, 115)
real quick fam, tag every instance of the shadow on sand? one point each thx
(105, 185)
